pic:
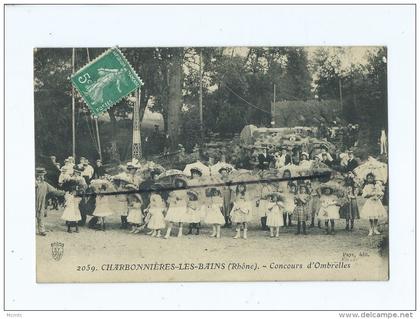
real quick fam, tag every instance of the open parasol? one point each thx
(250, 180)
(280, 196)
(74, 184)
(214, 170)
(294, 170)
(333, 185)
(372, 165)
(172, 172)
(100, 185)
(198, 166)
(148, 167)
(121, 177)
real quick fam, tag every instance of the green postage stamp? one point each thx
(105, 80)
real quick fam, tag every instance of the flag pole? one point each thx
(73, 107)
(96, 120)
(201, 96)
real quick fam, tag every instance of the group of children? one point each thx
(277, 207)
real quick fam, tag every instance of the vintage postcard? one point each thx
(159, 164)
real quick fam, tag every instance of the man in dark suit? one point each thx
(352, 163)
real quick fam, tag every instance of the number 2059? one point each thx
(88, 267)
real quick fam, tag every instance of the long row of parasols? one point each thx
(211, 177)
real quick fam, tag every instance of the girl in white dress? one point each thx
(177, 208)
(154, 217)
(135, 215)
(288, 189)
(329, 209)
(120, 202)
(214, 211)
(193, 212)
(275, 214)
(71, 213)
(262, 204)
(241, 211)
(373, 208)
(102, 208)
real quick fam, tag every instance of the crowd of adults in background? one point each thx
(86, 189)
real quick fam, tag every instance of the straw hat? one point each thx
(131, 165)
(193, 194)
(40, 171)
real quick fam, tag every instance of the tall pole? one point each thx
(136, 147)
(273, 106)
(98, 139)
(201, 96)
(96, 120)
(341, 94)
(73, 107)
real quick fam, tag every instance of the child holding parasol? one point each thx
(71, 213)
(301, 210)
(102, 209)
(241, 211)
(193, 212)
(275, 213)
(135, 215)
(154, 218)
(213, 211)
(373, 208)
(177, 209)
(329, 207)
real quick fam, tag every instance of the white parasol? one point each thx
(372, 165)
(198, 166)
(172, 172)
(219, 165)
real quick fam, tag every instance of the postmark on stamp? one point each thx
(105, 81)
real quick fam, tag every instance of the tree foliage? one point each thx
(238, 89)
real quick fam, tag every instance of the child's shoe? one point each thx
(376, 231)
(168, 233)
(370, 232)
(238, 234)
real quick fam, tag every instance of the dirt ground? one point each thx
(367, 255)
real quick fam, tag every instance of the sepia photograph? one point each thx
(162, 164)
